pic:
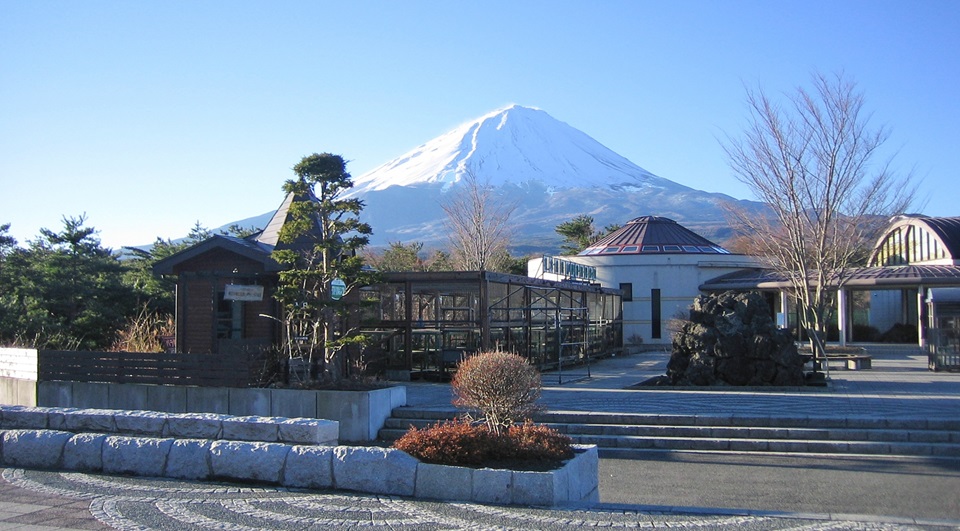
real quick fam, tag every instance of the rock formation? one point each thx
(731, 339)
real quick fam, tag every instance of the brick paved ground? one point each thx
(21, 507)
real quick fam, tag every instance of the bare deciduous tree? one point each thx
(479, 226)
(811, 160)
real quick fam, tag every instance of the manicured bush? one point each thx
(455, 442)
(461, 443)
(536, 442)
(502, 386)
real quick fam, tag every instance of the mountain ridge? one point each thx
(551, 170)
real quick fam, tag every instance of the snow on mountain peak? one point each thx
(515, 144)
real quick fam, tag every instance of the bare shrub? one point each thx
(502, 386)
(142, 332)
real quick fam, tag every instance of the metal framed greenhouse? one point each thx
(424, 323)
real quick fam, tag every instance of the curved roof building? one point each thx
(918, 240)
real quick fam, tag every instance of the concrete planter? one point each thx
(361, 414)
(576, 482)
(372, 470)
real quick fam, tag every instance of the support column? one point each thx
(921, 317)
(784, 309)
(842, 315)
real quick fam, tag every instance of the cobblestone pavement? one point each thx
(85, 501)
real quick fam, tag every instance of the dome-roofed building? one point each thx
(657, 263)
(652, 234)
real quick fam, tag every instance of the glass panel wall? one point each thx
(455, 314)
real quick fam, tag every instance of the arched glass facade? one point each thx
(909, 244)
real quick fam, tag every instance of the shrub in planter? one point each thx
(502, 386)
(461, 443)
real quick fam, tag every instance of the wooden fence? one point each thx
(233, 369)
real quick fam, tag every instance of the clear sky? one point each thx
(151, 116)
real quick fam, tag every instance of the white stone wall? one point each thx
(20, 363)
(18, 376)
(178, 426)
(365, 469)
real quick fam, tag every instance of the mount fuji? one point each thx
(550, 170)
(515, 145)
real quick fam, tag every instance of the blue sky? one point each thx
(151, 116)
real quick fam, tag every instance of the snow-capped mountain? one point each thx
(514, 145)
(552, 171)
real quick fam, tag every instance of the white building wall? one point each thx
(677, 276)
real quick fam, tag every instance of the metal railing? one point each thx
(943, 349)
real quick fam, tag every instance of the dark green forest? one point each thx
(63, 290)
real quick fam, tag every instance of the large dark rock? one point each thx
(731, 339)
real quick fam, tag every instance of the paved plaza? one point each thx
(723, 491)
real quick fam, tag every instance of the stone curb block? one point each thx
(251, 428)
(248, 461)
(195, 425)
(84, 452)
(189, 459)
(140, 456)
(309, 431)
(309, 467)
(374, 470)
(23, 417)
(151, 423)
(492, 485)
(34, 448)
(442, 482)
(96, 420)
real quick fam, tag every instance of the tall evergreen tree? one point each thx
(318, 245)
(64, 291)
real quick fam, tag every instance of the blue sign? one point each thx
(337, 289)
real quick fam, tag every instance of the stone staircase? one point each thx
(624, 434)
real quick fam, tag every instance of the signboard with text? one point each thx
(241, 292)
(568, 269)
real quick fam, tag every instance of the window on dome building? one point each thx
(655, 327)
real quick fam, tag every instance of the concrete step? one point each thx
(433, 415)
(629, 433)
